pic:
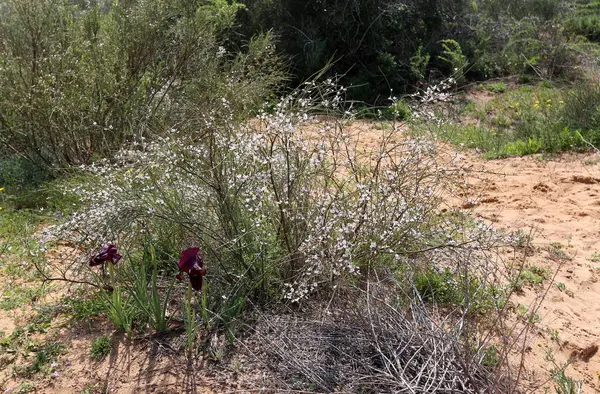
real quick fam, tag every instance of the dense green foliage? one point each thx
(586, 20)
(79, 80)
(371, 42)
(383, 45)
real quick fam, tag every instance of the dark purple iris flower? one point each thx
(108, 253)
(192, 264)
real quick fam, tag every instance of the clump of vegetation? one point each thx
(525, 121)
(469, 40)
(101, 347)
(497, 87)
(275, 205)
(79, 81)
(286, 208)
(531, 276)
(586, 20)
(399, 110)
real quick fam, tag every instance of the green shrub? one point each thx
(419, 64)
(582, 110)
(448, 288)
(491, 357)
(373, 43)
(17, 174)
(531, 276)
(101, 348)
(543, 9)
(78, 81)
(398, 111)
(522, 148)
(439, 287)
(586, 21)
(498, 87)
(453, 56)
(361, 37)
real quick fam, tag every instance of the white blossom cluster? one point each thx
(439, 92)
(432, 94)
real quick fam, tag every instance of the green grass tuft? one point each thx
(101, 348)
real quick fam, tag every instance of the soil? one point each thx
(557, 200)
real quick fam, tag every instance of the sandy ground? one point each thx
(557, 201)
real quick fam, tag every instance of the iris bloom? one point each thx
(108, 253)
(192, 264)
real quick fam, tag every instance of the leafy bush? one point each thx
(369, 42)
(419, 64)
(79, 80)
(522, 148)
(586, 21)
(399, 111)
(546, 50)
(543, 9)
(439, 287)
(531, 276)
(498, 87)
(452, 55)
(18, 174)
(380, 45)
(582, 110)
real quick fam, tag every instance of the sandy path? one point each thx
(560, 200)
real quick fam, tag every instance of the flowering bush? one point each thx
(286, 203)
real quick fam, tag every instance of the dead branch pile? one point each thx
(377, 346)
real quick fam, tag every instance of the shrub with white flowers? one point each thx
(288, 200)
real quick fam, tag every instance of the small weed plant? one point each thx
(101, 348)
